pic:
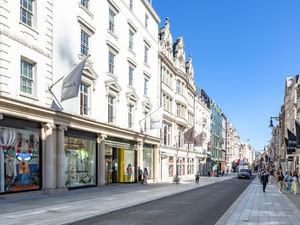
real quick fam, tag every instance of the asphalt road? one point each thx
(200, 206)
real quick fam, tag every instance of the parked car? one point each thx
(244, 173)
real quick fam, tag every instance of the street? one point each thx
(203, 205)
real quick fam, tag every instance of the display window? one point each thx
(171, 166)
(80, 162)
(148, 160)
(19, 159)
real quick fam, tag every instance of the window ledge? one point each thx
(112, 76)
(147, 65)
(28, 30)
(86, 10)
(112, 34)
(131, 87)
(131, 51)
(24, 95)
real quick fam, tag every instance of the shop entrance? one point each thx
(120, 163)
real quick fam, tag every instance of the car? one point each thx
(244, 173)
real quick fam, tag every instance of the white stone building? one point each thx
(177, 98)
(202, 126)
(96, 138)
(233, 141)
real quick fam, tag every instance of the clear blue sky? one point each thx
(242, 51)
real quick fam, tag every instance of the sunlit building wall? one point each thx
(178, 99)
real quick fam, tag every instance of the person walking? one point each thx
(288, 182)
(272, 175)
(145, 175)
(197, 177)
(264, 180)
(295, 181)
(280, 180)
(140, 174)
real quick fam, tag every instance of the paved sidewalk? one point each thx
(63, 208)
(259, 208)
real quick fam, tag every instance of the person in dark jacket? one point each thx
(264, 180)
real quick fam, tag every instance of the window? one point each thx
(167, 102)
(84, 45)
(130, 116)
(167, 134)
(85, 3)
(26, 13)
(130, 76)
(112, 15)
(178, 110)
(146, 86)
(146, 20)
(130, 4)
(26, 81)
(84, 98)
(111, 109)
(146, 54)
(178, 86)
(111, 62)
(130, 44)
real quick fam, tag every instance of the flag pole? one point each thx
(161, 107)
(56, 100)
(52, 85)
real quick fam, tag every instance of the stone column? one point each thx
(61, 156)
(156, 163)
(139, 156)
(49, 179)
(101, 159)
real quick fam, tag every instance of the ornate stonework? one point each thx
(179, 54)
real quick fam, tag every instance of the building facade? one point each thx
(89, 141)
(233, 142)
(177, 96)
(202, 127)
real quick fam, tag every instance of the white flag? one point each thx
(156, 119)
(70, 86)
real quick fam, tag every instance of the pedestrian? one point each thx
(197, 177)
(271, 175)
(264, 180)
(295, 181)
(288, 182)
(280, 180)
(145, 175)
(140, 174)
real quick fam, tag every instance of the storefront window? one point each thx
(171, 166)
(128, 165)
(148, 160)
(190, 166)
(80, 162)
(19, 159)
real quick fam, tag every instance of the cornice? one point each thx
(40, 114)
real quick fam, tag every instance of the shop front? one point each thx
(148, 159)
(80, 159)
(120, 162)
(19, 155)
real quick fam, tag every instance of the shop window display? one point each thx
(19, 160)
(148, 160)
(80, 162)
